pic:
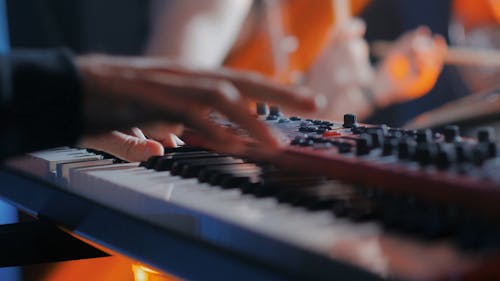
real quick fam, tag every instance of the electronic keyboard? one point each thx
(341, 200)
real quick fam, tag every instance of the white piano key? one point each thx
(131, 188)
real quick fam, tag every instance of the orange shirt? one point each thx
(477, 13)
(309, 22)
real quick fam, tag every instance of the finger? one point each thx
(178, 141)
(164, 133)
(207, 94)
(423, 31)
(432, 58)
(404, 43)
(441, 45)
(169, 141)
(138, 133)
(256, 87)
(225, 98)
(352, 29)
(196, 118)
(126, 147)
(215, 136)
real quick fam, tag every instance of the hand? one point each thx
(342, 70)
(126, 92)
(344, 62)
(133, 146)
(411, 68)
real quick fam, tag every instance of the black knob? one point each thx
(405, 149)
(272, 117)
(492, 150)
(463, 153)
(486, 134)
(350, 120)
(424, 136)
(443, 160)
(363, 145)
(377, 139)
(262, 109)
(451, 133)
(275, 111)
(151, 162)
(479, 154)
(425, 153)
(390, 146)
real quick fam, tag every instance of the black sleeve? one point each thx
(40, 101)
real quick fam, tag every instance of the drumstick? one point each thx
(454, 56)
(341, 10)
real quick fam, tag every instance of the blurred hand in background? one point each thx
(411, 67)
(344, 74)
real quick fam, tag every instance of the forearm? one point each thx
(198, 33)
(40, 101)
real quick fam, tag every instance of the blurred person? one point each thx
(476, 25)
(201, 32)
(388, 19)
(332, 58)
(298, 42)
(215, 33)
(206, 35)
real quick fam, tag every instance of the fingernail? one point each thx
(178, 141)
(173, 140)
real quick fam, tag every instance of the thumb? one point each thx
(123, 146)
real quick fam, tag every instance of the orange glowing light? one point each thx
(143, 273)
(115, 267)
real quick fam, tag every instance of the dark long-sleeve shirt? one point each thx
(40, 101)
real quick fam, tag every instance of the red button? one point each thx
(331, 134)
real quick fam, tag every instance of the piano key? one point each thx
(196, 164)
(188, 192)
(63, 169)
(151, 196)
(166, 162)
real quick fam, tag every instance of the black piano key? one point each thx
(238, 181)
(165, 163)
(185, 164)
(278, 187)
(208, 174)
(231, 180)
(262, 190)
(184, 149)
(249, 187)
(193, 171)
(150, 163)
